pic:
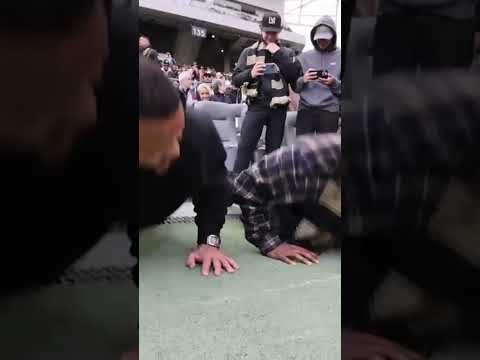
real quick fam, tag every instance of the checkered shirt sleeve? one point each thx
(289, 175)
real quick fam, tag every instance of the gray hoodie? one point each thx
(314, 93)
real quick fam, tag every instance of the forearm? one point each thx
(299, 85)
(289, 69)
(336, 87)
(211, 200)
(211, 208)
(287, 176)
(242, 73)
(258, 228)
(240, 77)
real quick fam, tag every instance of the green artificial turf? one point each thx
(267, 310)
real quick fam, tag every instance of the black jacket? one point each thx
(184, 97)
(220, 98)
(199, 174)
(290, 71)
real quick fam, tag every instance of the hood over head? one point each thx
(330, 23)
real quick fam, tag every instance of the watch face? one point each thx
(213, 240)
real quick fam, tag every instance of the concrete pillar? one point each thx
(187, 47)
(227, 62)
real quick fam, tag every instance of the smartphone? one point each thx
(270, 68)
(322, 74)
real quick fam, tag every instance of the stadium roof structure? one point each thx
(301, 15)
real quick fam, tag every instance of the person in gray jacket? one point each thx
(320, 86)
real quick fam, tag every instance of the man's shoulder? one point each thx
(288, 50)
(308, 53)
(199, 130)
(197, 123)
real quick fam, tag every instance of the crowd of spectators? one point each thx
(205, 83)
(196, 82)
(200, 83)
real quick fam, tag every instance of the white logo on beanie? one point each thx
(272, 20)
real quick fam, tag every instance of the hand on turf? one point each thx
(291, 254)
(363, 346)
(328, 81)
(211, 257)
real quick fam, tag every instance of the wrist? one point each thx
(267, 250)
(212, 241)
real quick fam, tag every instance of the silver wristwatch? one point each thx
(214, 240)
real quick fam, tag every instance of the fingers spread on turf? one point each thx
(302, 259)
(207, 263)
(217, 267)
(226, 265)
(310, 256)
(191, 261)
(233, 263)
(285, 259)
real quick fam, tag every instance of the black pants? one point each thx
(428, 263)
(314, 120)
(256, 118)
(405, 43)
(288, 217)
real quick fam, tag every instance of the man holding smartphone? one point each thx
(320, 87)
(264, 71)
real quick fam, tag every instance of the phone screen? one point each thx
(322, 74)
(269, 68)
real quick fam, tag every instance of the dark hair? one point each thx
(52, 16)
(157, 96)
(216, 84)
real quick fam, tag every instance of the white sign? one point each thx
(199, 32)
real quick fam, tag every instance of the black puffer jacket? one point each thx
(290, 70)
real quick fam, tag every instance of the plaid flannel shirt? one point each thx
(403, 146)
(290, 175)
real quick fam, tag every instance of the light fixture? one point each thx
(213, 36)
(222, 51)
